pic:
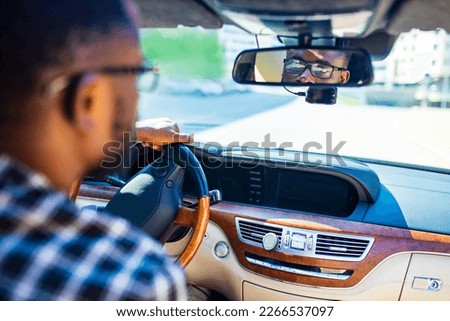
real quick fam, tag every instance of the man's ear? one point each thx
(83, 102)
(93, 116)
(89, 103)
(345, 76)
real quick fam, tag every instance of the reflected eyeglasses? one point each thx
(318, 70)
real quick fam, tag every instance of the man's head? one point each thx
(316, 66)
(67, 77)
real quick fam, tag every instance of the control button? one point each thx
(310, 243)
(270, 241)
(424, 283)
(434, 285)
(287, 239)
(298, 241)
(221, 249)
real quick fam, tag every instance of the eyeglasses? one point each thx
(64, 82)
(317, 69)
(139, 70)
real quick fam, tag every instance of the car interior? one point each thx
(259, 224)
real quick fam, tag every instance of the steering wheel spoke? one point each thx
(186, 216)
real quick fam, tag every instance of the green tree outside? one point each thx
(185, 52)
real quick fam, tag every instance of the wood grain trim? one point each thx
(200, 223)
(185, 216)
(74, 189)
(97, 191)
(388, 241)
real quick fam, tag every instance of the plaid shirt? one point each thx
(52, 250)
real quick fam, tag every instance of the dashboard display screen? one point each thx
(316, 193)
(290, 189)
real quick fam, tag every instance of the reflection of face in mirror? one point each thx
(316, 66)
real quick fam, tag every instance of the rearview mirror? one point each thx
(293, 66)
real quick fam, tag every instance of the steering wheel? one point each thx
(153, 199)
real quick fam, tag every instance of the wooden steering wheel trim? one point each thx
(198, 219)
(74, 189)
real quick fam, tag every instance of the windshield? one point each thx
(403, 117)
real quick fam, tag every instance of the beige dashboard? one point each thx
(386, 281)
(399, 265)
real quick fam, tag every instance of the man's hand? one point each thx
(157, 132)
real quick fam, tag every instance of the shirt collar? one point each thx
(34, 178)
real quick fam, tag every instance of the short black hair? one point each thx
(35, 34)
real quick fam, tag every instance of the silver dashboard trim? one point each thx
(311, 243)
(273, 266)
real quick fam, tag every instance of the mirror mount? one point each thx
(325, 95)
(304, 40)
(318, 95)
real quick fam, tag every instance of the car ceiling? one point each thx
(373, 24)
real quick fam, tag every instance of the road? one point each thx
(408, 135)
(196, 113)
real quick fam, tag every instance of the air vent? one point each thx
(253, 232)
(341, 247)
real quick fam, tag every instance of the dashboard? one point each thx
(289, 230)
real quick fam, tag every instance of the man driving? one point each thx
(67, 86)
(315, 66)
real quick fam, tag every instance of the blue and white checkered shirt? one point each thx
(52, 250)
